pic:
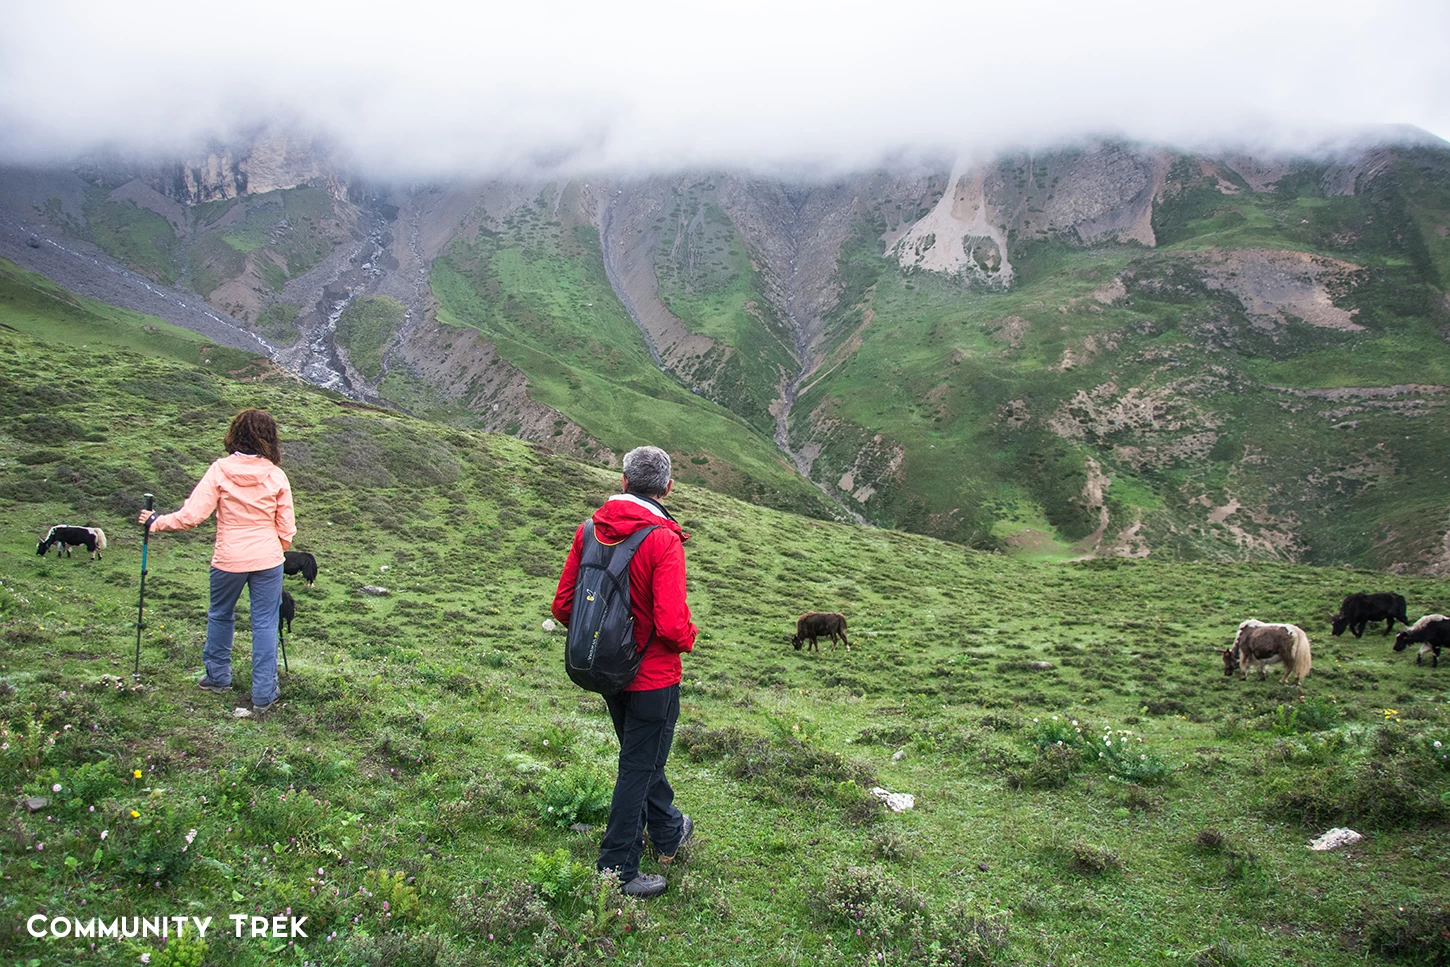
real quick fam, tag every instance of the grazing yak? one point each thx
(1259, 644)
(1431, 633)
(300, 562)
(92, 539)
(818, 624)
(1360, 609)
(286, 613)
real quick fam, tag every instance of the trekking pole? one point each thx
(141, 603)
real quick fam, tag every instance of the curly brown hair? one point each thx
(254, 432)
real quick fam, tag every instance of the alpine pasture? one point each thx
(1089, 787)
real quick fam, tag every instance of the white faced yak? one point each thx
(1259, 645)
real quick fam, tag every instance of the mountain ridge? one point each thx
(976, 301)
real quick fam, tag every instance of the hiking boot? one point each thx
(644, 886)
(208, 685)
(687, 830)
(260, 710)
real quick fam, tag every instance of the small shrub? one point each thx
(1057, 732)
(1001, 723)
(426, 949)
(503, 910)
(162, 854)
(394, 899)
(553, 741)
(1034, 903)
(892, 847)
(1141, 800)
(557, 875)
(1316, 714)
(1210, 840)
(790, 770)
(1232, 727)
(181, 950)
(705, 895)
(575, 796)
(1223, 953)
(1243, 865)
(870, 899)
(1128, 761)
(887, 735)
(894, 916)
(85, 785)
(1167, 706)
(1091, 860)
(1053, 768)
(1381, 792)
(1418, 933)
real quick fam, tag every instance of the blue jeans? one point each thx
(264, 590)
(643, 799)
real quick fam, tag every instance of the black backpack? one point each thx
(600, 652)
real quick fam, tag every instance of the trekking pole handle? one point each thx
(146, 537)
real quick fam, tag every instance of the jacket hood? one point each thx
(245, 469)
(623, 514)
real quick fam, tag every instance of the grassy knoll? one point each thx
(1089, 788)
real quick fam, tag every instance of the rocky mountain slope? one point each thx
(1102, 350)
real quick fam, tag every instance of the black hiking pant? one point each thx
(643, 799)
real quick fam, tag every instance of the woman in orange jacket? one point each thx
(252, 499)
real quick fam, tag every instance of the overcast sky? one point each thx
(425, 89)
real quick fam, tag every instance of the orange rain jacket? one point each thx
(254, 521)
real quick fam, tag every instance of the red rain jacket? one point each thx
(662, 624)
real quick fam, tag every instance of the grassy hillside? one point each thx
(1186, 375)
(1089, 788)
(707, 281)
(32, 304)
(1267, 383)
(255, 243)
(538, 290)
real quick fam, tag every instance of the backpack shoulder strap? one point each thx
(623, 552)
(591, 551)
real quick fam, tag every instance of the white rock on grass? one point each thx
(548, 624)
(1335, 838)
(898, 755)
(242, 713)
(375, 591)
(897, 802)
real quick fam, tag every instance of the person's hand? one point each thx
(144, 516)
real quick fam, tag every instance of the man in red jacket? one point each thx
(645, 712)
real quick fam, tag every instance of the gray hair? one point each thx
(648, 471)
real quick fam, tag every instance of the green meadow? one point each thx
(1089, 788)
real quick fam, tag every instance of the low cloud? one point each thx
(431, 90)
